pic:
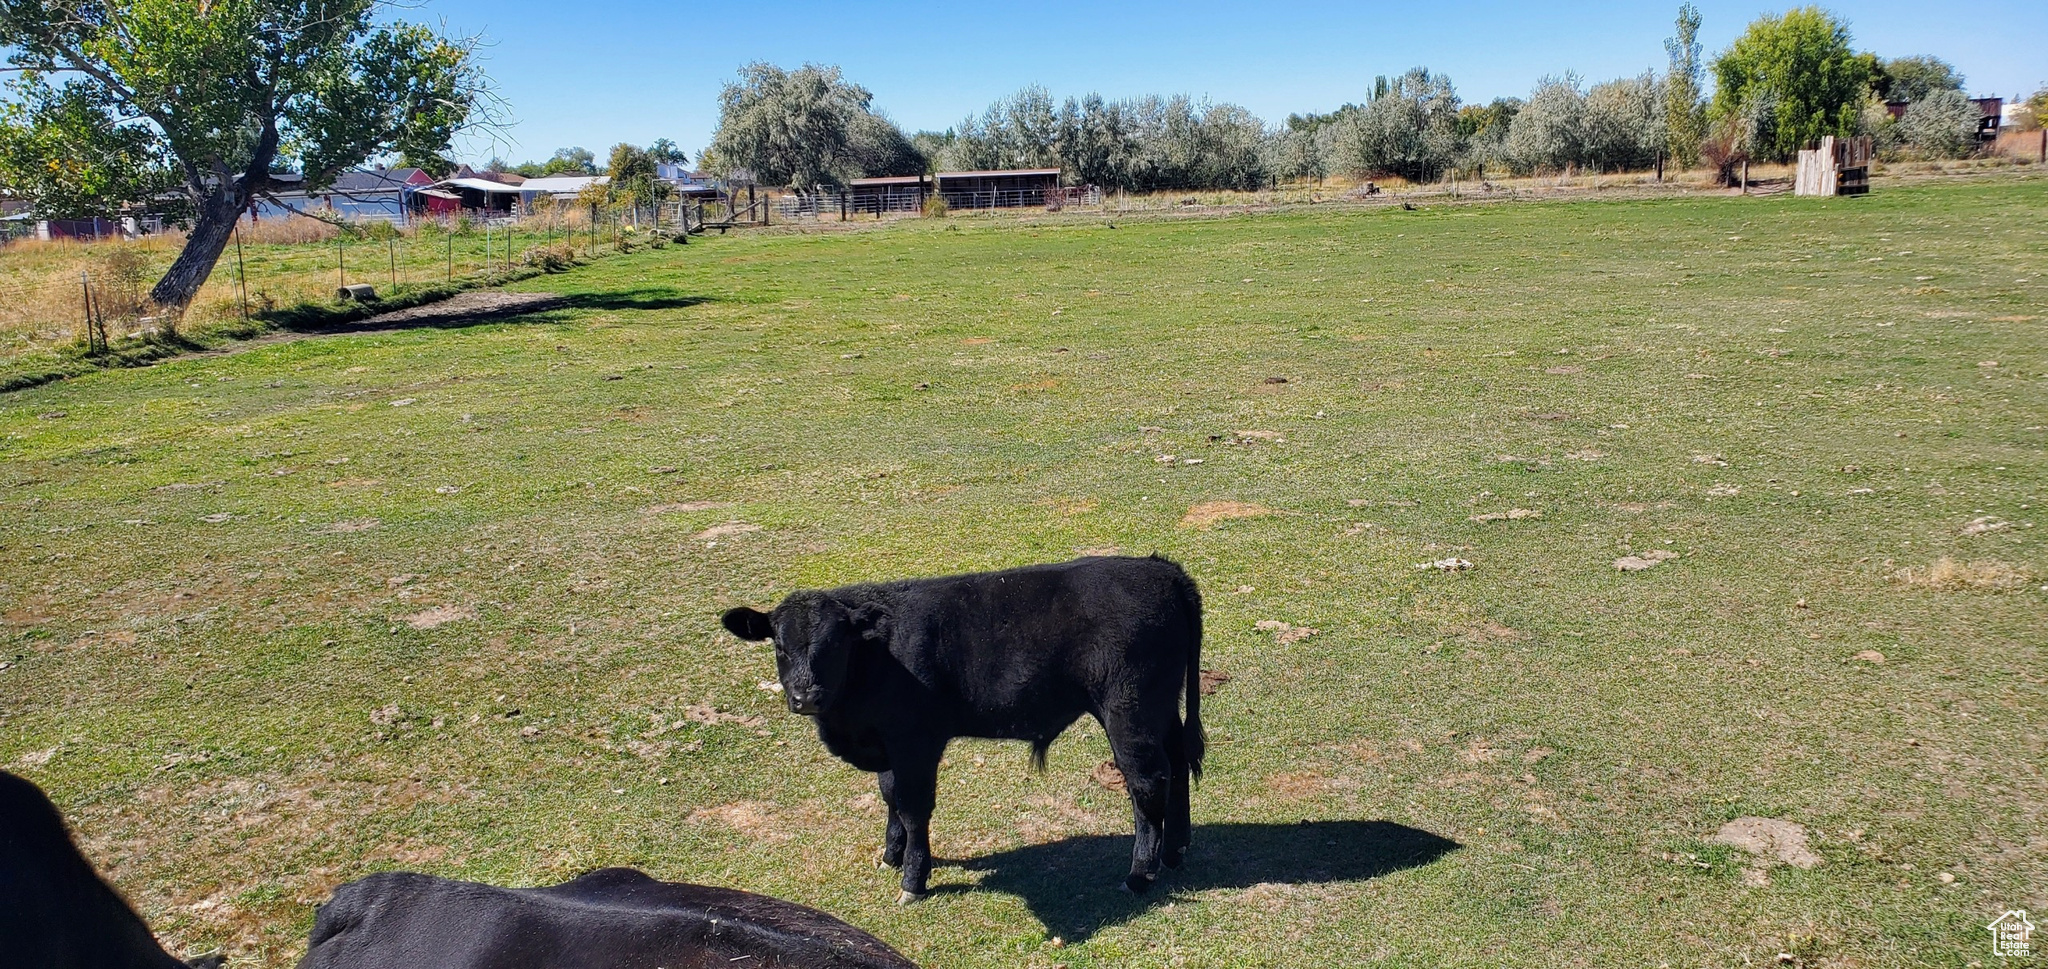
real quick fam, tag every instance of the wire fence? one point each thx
(56, 292)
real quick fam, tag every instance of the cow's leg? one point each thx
(1179, 825)
(892, 843)
(1141, 756)
(916, 781)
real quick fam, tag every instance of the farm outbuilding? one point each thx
(371, 194)
(998, 188)
(488, 197)
(560, 188)
(894, 193)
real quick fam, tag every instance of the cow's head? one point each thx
(815, 636)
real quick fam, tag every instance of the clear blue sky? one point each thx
(594, 74)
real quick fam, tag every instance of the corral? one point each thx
(1746, 660)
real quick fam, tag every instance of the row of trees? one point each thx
(1783, 84)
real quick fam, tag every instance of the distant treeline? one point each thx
(1787, 81)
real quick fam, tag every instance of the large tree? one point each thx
(808, 128)
(1684, 120)
(1796, 77)
(210, 99)
(1912, 79)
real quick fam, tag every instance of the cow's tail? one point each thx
(1192, 735)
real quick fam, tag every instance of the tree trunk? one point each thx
(208, 239)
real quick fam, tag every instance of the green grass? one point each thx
(1795, 395)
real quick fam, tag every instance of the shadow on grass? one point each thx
(1070, 884)
(481, 306)
(630, 299)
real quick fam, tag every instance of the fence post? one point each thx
(451, 251)
(85, 307)
(341, 261)
(392, 244)
(241, 270)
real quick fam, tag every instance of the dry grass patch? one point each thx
(727, 530)
(1283, 632)
(758, 820)
(1206, 514)
(439, 616)
(681, 506)
(1948, 574)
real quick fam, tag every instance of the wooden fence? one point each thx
(1840, 166)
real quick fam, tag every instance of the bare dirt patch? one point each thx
(1213, 680)
(1644, 560)
(727, 530)
(1208, 513)
(705, 713)
(1952, 575)
(1283, 632)
(758, 820)
(352, 525)
(665, 508)
(439, 616)
(1512, 514)
(1107, 776)
(1986, 525)
(1771, 840)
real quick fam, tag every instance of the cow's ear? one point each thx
(748, 624)
(871, 621)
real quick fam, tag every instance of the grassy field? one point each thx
(445, 599)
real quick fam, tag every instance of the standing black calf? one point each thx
(892, 672)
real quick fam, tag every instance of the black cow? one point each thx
(892, 672)
(55, 911)
(613, 918)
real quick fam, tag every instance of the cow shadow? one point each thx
(1070, 884)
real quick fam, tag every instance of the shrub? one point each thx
(1941, 125)
(935, 206)
(550, 258)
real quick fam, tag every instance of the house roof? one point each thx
(478, 185)
(562, 184)
(994, 172)
(385, 180)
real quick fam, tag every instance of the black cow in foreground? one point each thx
(613, 918)
(55, 911)
(893, 671)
